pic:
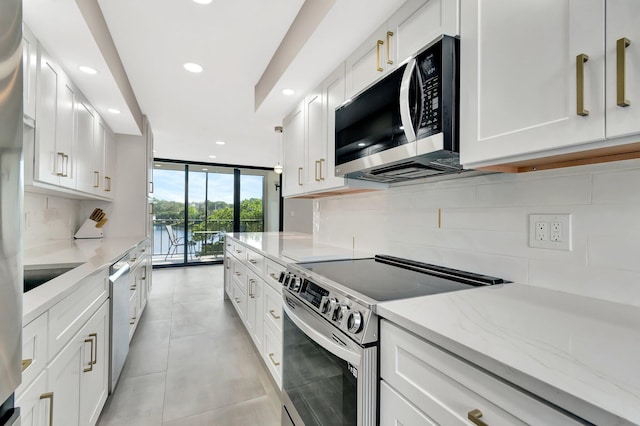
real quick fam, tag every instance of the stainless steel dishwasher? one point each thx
(119, 292)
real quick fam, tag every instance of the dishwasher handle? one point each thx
(120, 272)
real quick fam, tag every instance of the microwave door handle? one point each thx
(322, 340)
(405, 108)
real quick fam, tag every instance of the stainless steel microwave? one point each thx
(404, 126)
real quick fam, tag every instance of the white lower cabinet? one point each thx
(448, 390)
(79, 376)
(396, 410)
(35, 403)
(251, 282)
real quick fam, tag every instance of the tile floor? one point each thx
(191, 363)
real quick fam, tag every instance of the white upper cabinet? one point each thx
(623, 67)
(294, 154)
(550, 88)
(314, 141)
(85, 125)
(333, 94)
(29, 70)
(109, 162)
(413, 26)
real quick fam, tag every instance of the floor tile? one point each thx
(135, 397)
(249, 413)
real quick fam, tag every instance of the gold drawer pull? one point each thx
(474, 415)
(26, 363)
(237, 300)
(273, 314)
(253, 261)
(621, 45)
(133, 321)
(389, 35)
(580, 61)
(272, 360)
(378, 44)
(95, 359)
(238, 273)
(299, 176)
(49, 396)
(90, 368)
(272, 275)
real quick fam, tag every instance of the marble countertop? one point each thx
(293, 247)
(89, 257)
(576, 352)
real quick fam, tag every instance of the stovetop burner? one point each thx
(346, 292)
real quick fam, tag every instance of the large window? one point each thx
(195, 204)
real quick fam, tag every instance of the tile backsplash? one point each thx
(484, 226)
(48, 218)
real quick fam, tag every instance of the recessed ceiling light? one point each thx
(154, 151)
(205, 170)
(288, 92)
(203, 1)
(212, 156)
(219, 142)
(114, 111)
(88, 70)
(361, 144)
(193, 67)
(158, 165)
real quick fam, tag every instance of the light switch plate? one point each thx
(556, 229)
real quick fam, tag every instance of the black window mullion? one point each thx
(186, 214)
(236, 200)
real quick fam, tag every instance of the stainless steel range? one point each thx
(331, 336)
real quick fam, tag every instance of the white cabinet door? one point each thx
(65, 130)
(64, 381)
(109, 163)
(255, 309)
(29, 71)
(95, 377)
(293, 141)
(85, 124)
(623, 68)
(313, 140)
(333, 94)
(34, 402)
(48, 164)
(395, 410)
(98, 155)
(520, 85)
(367, 63)
(417, 23)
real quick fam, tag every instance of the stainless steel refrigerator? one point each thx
(11, 196)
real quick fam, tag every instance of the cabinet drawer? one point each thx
(272, 272)
(34, 349)
(273, 309)
(448, 388)
(239, 299)
(255, 261)
(68, 315)
(238, 270)
(273, 355)
(34, 410)
(395, 410)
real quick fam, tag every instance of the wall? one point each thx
(484, 226)
(48, 218)
(297, 215)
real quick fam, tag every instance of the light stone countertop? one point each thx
(576, 352)
(290, 247)
(91, 256)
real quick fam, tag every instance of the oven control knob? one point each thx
(295, 283)
(339, 312)
(354, 322)
(328, 305)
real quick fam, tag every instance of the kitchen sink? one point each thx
(36, 277)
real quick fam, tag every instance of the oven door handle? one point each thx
(325, 342)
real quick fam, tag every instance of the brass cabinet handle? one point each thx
(133, 321)
(26, 363)
(273, 314)
(315, 170)
(95, 336)
(274, 276)
(49, 396)
(228, 244)
(272, 360)
(378, 67)
(90, 368)
(237, 300)
(96, 179)
(580, 61)
(107, 184)
(151, 187)
(251, 293)
(253, 261)
(60, 164)
(474, 415)
(238, 251)
(65, 166)
(300, 176)
(389, 35)
(150, 208)
(321, 161)
(621, 45)
(237, 273)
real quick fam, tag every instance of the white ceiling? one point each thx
(233, 40)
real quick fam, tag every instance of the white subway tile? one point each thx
(488, 218)
(614, 251)
(565, 190)
(617, 187)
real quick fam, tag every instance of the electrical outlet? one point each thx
(550, 231)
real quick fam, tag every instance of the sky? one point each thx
(169, 185)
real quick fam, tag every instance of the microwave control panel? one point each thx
(429, 78)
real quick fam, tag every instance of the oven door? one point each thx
(328, 379)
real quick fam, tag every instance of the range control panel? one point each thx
(344, 313)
